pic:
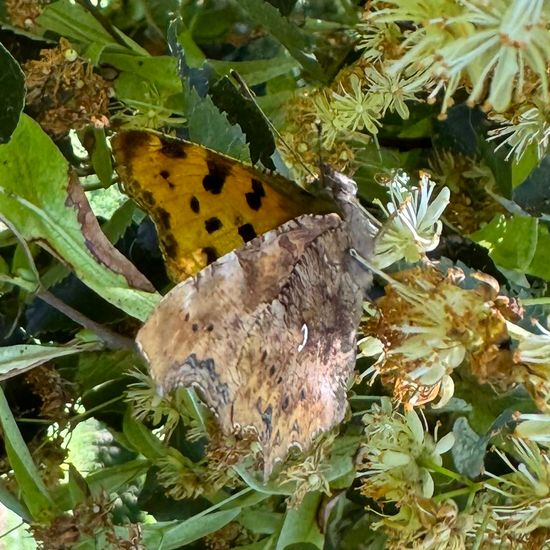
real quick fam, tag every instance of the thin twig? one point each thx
(105, 23)
(111, 339)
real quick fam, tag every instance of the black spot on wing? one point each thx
(148, 198)
(170, 245)
(247, 232)
(214, 181)
(163, 219)
(211, 254)
(212, 224)
(195, 205)
(173, 149)
(164, 174)
(254, 197)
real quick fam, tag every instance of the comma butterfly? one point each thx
(267, 331)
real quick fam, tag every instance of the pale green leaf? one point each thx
(34, 198)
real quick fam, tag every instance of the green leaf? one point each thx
(540, 266)
(101, 157)
(261, 522)
(288, 34)
(160, 70)
(469, 449)
(519, 243)
(209, 127)
(245, 112)
(8, 500)
(12, 91)
(113, 478)
(511, 241)
(19, 358)
(141, 439)
(97, 368)
(34, 197)
(35, 494)
(172, 535)
(522, 169)
(257, 71)
(75, 23)
(300, 525)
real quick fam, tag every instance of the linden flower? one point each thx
(413, 227)
(525, 493)
(533, 353)
(495, 46)
(356, 111)
(397, 455)
(427, 325)
(395, 89)
(377, 42)
(531, 128)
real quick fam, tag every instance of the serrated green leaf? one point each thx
(300, 524)
(469, 449)
(34, 197)
(19, 358)
(209, 127)
(35, 494)
(172, 535)
(243, 111)
(288, 34)
(12, 91)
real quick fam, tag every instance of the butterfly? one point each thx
(266, 332)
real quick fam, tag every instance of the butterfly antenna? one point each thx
(248, 93)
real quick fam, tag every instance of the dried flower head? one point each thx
(428, 325)
(63, 92)
(53, 390)
(397, 454)
(89, 523)
(23, 13)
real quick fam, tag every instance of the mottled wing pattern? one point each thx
(267, 333)
(203, 203)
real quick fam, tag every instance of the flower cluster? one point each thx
(428, 325)
(498, 51)
(413, 226)
(397, 456)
